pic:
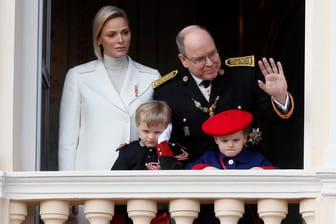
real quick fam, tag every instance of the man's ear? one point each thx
(183, 60)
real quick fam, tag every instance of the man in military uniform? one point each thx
(203, 87)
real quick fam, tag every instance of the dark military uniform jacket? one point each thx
(235, 88)
(136, 156)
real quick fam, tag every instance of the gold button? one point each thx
(185, 78)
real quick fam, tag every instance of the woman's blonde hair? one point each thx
(104, 14)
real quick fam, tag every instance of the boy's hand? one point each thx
(165, 135)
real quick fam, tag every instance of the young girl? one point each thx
(230, 130)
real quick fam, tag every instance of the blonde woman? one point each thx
(100, 97)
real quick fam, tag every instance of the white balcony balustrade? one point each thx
(181, 192)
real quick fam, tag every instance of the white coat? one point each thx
(95, 119)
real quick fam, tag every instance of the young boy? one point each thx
(152, 151)
(230, 130)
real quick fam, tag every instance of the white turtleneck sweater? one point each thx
(116, 68)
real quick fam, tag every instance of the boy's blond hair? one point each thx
(153, 113)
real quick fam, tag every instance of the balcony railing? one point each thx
(182, 191)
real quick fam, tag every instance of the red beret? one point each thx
(227, 122)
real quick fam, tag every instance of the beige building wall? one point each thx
(18, 83)
(319, 139)
(7, 25)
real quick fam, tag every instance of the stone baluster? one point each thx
(17, 212)
(307, 210)
(272, 211)
(184, 211)
(54, 211)
(141, 211)
(229, 211)
(99, 211)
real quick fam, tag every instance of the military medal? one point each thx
(210, 110)
(136, 90)
(186, 129)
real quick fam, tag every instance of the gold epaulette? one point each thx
(164, 79)
(247, 61)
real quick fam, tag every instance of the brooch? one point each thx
(255, 136)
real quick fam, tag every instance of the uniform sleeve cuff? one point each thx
(163, 149)
(290, 110)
